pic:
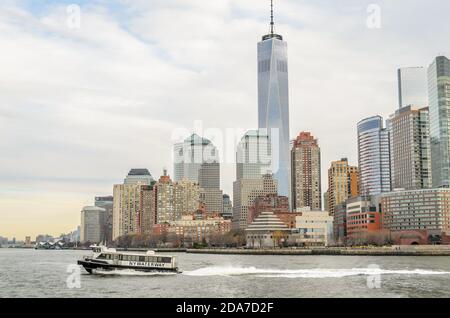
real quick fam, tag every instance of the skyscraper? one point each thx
(92, 224)
(253, 157)
(227, 207)
(412, 87)
(107, 204)
(253, 175)
(210, 193)
(128, 203)
(139, 176)
(196, 159)
(410, 148)
(306, 184)
(343, 183)
(374, 156)
(273, 102)
(439, 103)
(189, 156)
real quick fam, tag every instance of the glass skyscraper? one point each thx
(191, 154)
(410, 148)
(253, 173)
(253, 156)
(412, 87)
(196, 159)
(439, 103)
(374, 156)
(273, 103)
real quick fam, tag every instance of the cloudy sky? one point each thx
(84, 100)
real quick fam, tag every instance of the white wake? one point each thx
(304, 273)
(130, 272)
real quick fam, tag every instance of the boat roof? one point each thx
(139, 253)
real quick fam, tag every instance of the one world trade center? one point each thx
(273, 102)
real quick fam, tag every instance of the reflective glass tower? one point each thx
(191, 154)
(439, 100)
(273, 103)
(412, 87)
(374, 156)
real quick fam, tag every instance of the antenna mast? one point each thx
(272, 23)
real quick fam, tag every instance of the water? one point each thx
(31, 273)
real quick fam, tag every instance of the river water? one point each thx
(32, 273)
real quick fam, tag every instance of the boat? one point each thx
(106, 259)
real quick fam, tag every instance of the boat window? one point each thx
(167, 260)
(141, 258)
(101, 256)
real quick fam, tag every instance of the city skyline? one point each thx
(56, 170)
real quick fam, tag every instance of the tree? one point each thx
(278, 237)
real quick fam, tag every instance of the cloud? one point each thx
(80, 107)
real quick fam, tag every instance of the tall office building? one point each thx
(374, 156)
(190, 155)
(253, 164)
(410, 148)
(107, 204)
(439, 103)
(253, 157)
(128, 203)
(210, 193)
(92, 224)
(273, 102)
(139, 176)
(343, 183)
(196, 159)
(227, 207)
(306, 177)
(412, 87)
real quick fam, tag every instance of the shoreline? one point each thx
(435, 250)
(386, 251)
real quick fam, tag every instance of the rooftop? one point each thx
(267, 221)
(139, 172)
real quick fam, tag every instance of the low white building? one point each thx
(267, 231)
(313, 228)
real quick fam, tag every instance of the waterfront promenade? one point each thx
(396, 250)
(435, 250)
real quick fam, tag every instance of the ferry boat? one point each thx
(109, 259)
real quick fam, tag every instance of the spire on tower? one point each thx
(272, 23)
(272, 33)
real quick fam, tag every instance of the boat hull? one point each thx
(91, 265)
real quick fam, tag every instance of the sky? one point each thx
(86, 95)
